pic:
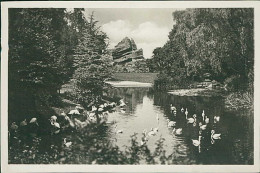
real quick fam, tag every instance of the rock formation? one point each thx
(126, 51)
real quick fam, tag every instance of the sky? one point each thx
(148, 27)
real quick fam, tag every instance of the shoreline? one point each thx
(129, 84)
(197, 92)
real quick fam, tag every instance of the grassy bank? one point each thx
(137, 77)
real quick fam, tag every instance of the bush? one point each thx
(240, 100)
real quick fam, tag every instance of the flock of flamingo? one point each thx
(199, 122)
(70, 120)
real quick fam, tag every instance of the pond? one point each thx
(143, 111)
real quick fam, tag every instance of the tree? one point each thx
(35, 60)
(216, 41)
(92, 65)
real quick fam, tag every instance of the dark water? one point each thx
(143, 107)
(142, 111)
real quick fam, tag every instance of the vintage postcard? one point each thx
(130, 86)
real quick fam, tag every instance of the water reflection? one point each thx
(212, 136)
(226, 139)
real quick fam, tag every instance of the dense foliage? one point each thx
(215, 41)
(48, 48)
(35, 56)
(93, 65)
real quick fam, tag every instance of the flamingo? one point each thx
(203, 113)
(186, 113)
(94, 108)
(202, 127)
(177, 131)
(171, 123)
(53, 118)
(74, 111)
(122, 103)
(195, 142)
(206, 119)
(67, 144)
(173, 109)
(122, 111)
(56, 125)
(203, 116)
(216, 119)
(34, 121)
(192, 120)
(100, 109)
(63, 114)
(14, 126)
(23, 123)
(214, 136)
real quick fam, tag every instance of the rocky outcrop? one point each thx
(126, 51)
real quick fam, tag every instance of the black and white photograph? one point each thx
(102, 85)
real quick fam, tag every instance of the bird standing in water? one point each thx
(67, 144)
(173, 109)
(171, 123)
(214, 136)
(192, 120)
(216, 119)
(177, 131)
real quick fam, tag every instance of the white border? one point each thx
(126, 168)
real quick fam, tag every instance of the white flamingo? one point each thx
(63, 114)
(23, 123)
(214, 136)
(122, 111)
(202, 127)
(192, 120)
(177, 131)
(14, 126)
(216, 119)
(67, 144)
(94, 108)
(206, 119)
(122, 103)
(74, 112)
(171, 123)
(203, 113)
(195, 142)
(100, 109)
(34, 121)
(53, 120)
